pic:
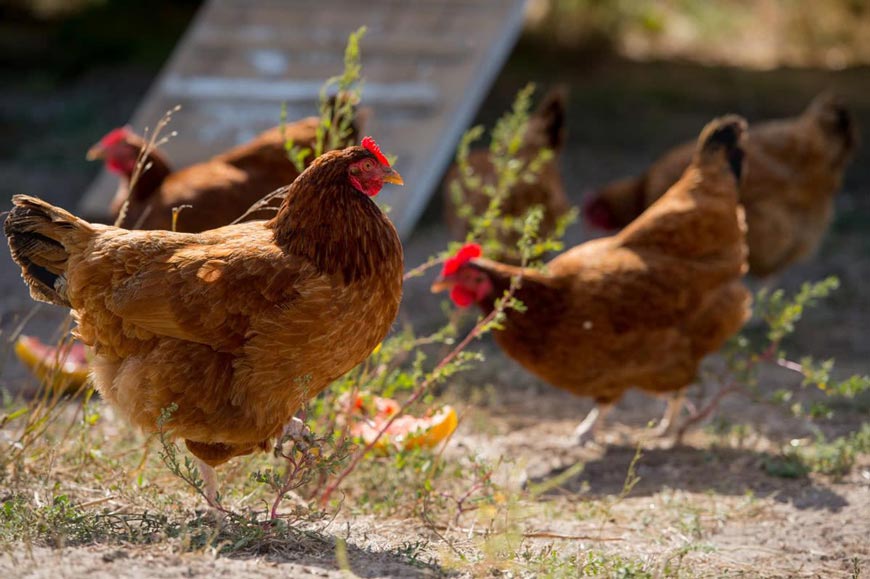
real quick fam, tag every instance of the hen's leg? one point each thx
(668, 422)
(209, 482)
(591, 425)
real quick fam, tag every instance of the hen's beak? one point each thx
(392, 176)
(440, 285)
(96, 153)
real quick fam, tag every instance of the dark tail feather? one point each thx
(552, 112)
(38, 233)
(835, 118)
(725, 134)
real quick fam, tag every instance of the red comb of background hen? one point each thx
(115, 136)
(468, 252)
(371, 146)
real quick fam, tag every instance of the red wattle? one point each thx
(370, 188)
(120, 167)
(461, 296)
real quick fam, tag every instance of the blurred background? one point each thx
(642, 76)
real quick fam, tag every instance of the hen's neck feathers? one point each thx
(534, 285)
(342, 231)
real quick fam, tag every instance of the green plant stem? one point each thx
(423, 267)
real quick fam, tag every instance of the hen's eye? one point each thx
(368, 165)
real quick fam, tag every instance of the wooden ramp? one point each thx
(427, 66)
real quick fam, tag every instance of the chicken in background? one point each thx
(216, 191)
(794, 169)
(639, 309)
(546, 130)
(238, 326)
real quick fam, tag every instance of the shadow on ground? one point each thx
(719, 470)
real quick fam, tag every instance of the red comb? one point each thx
(468, 252)
(371, 146)
(115, 136)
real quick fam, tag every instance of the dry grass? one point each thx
(506, 494)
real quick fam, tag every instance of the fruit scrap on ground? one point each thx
(64, 366)
(368, 414)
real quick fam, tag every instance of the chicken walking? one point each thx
(237, 327)
(639, 309)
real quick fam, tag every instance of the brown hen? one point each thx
(546, 130)
(639, 309)
(794, 169)
(216, 191)
(238, 326)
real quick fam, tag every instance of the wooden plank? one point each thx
(427, 66)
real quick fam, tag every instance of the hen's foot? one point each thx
(667, 426)
(587, 431)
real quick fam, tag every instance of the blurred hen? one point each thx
(545, 130)
(216, 191)
(639, 309)
(794, 169)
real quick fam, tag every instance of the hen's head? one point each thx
(368, 169)
(329, 218)
(119, 150)
(468, 284)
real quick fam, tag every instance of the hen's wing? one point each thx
(202, 288)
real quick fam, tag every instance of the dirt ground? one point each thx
(707, 504)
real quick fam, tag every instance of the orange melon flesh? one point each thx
(65, 368)
(406, 432)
